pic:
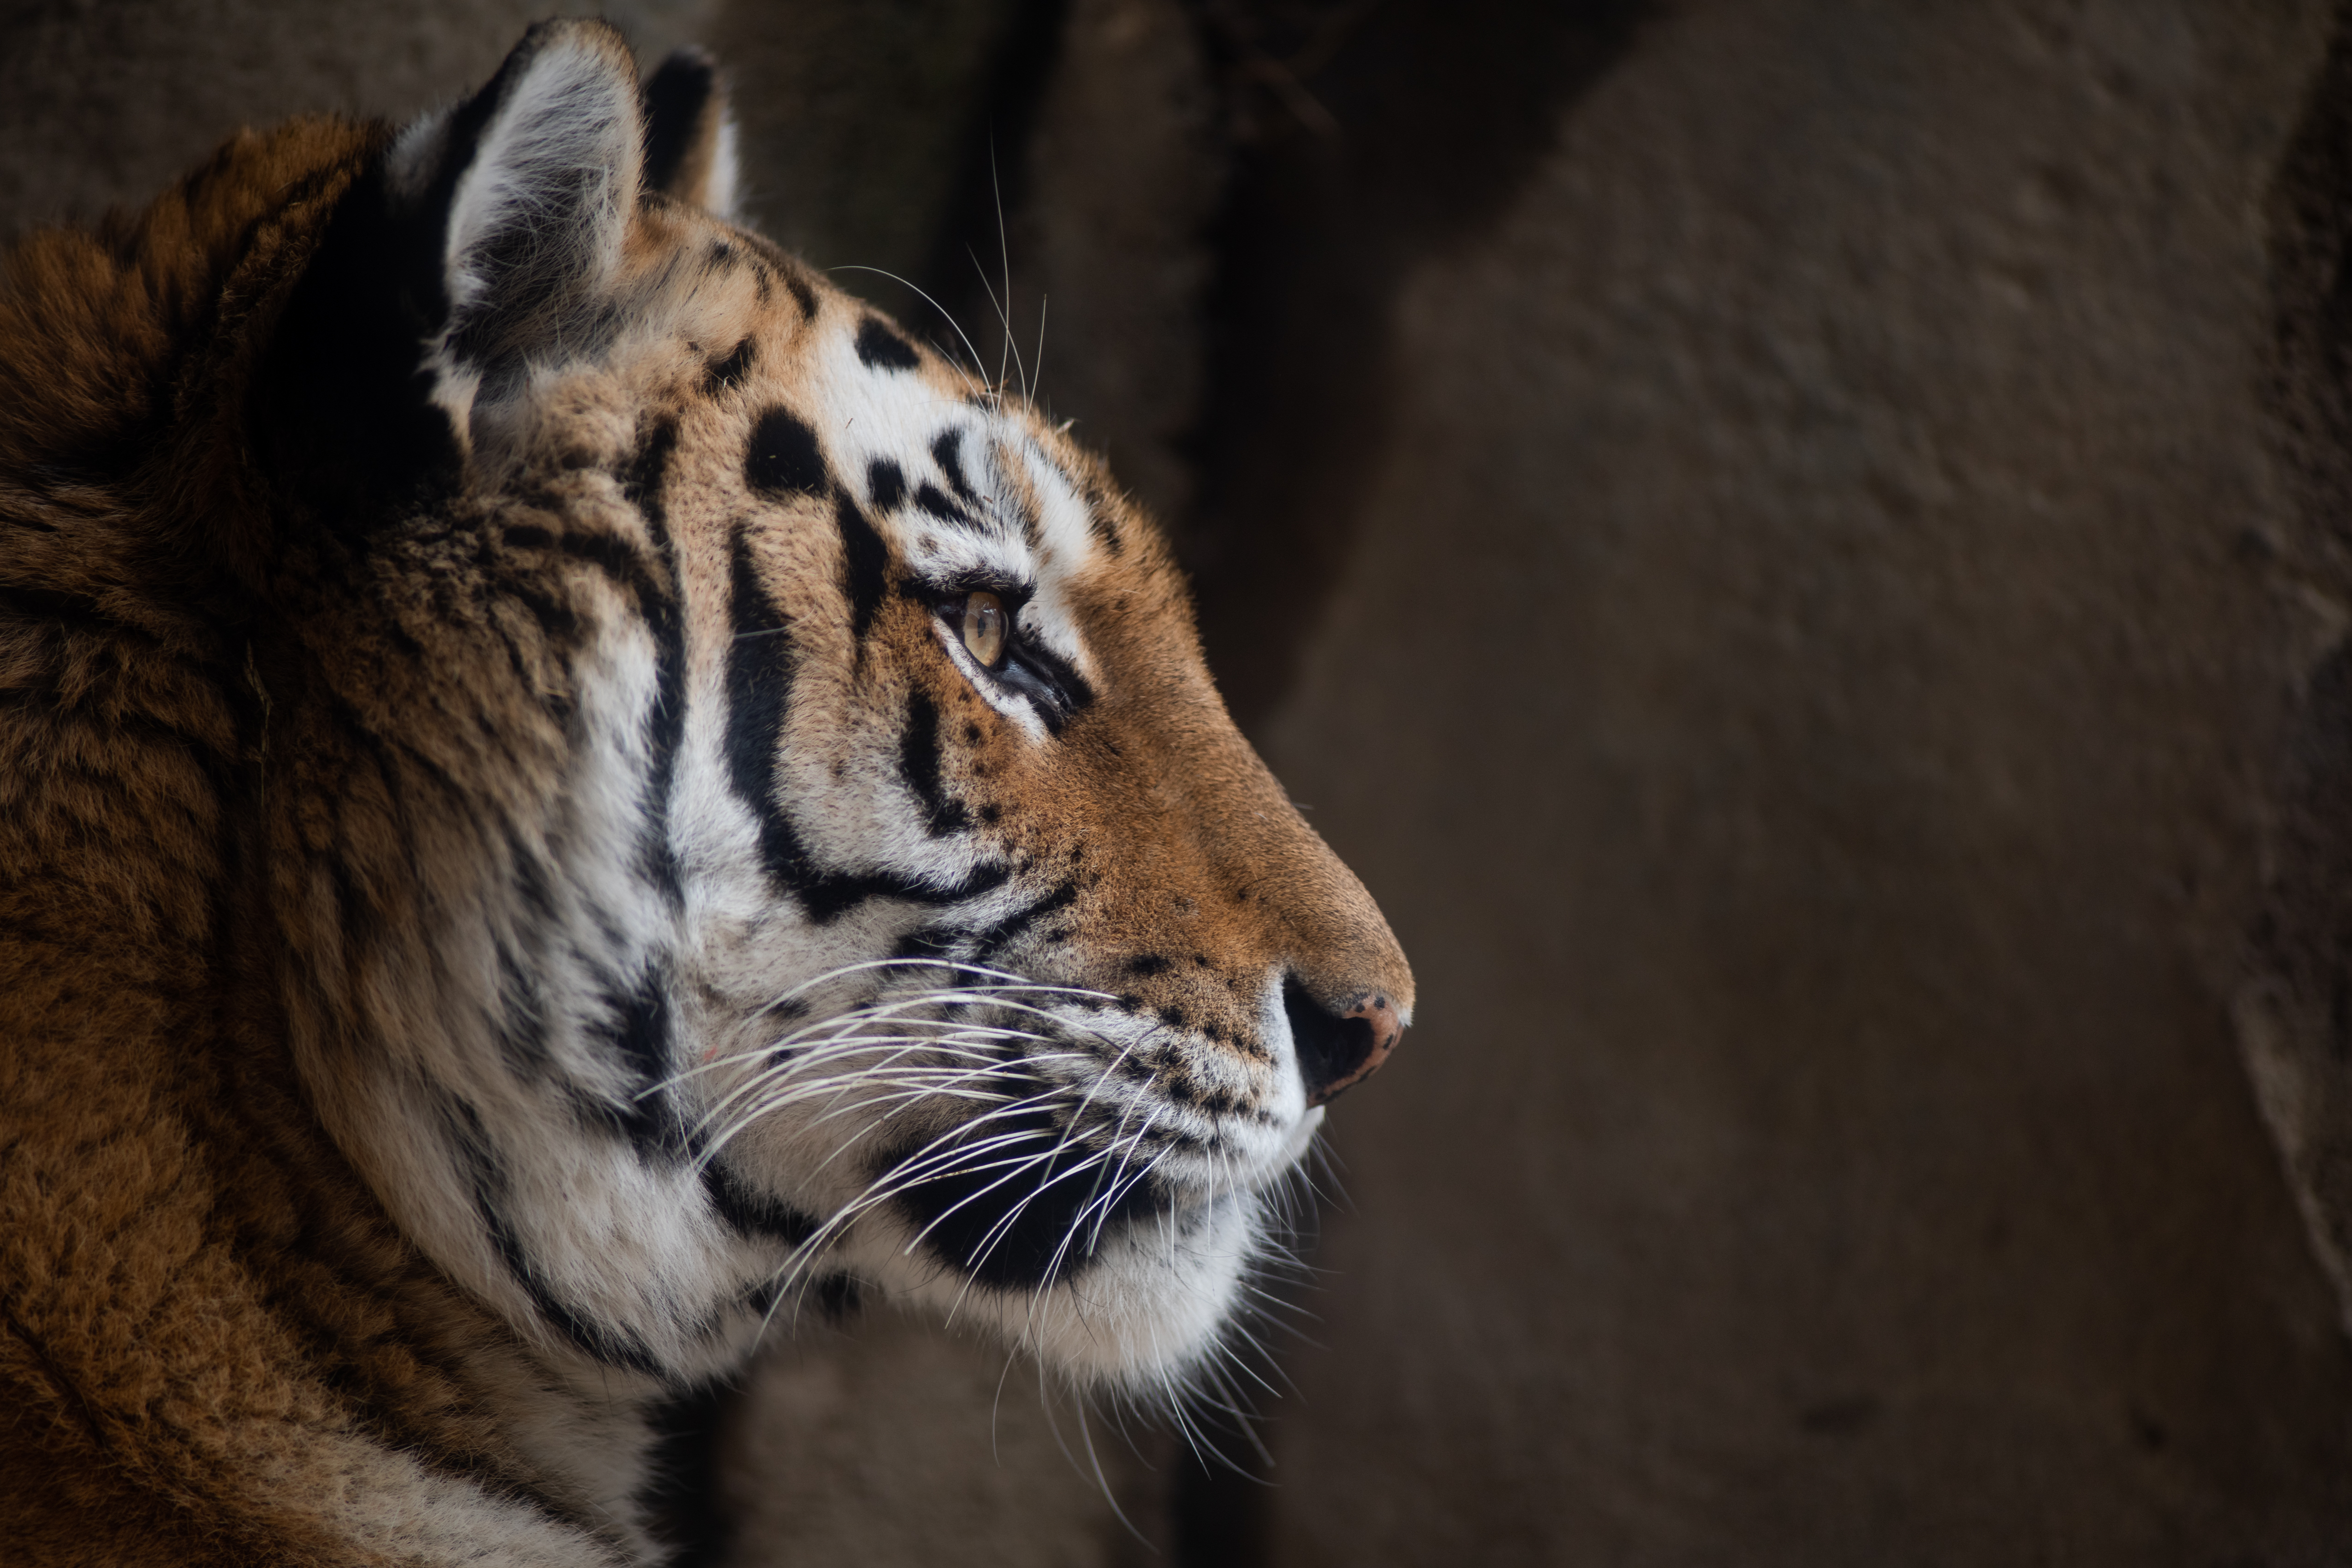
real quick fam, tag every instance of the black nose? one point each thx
(1336, 1049)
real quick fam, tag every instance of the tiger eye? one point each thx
(984, 627)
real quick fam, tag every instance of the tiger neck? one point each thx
(479, 974)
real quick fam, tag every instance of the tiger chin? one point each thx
(564, 784)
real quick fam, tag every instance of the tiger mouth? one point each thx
(1033, 1194)
(1027, 1206)
(1011, 1146)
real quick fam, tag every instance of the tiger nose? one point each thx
(1338, 1050)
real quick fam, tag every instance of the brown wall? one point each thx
(1823, 611)
(1796, 545)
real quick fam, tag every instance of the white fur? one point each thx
(723, 191)
(558, 161)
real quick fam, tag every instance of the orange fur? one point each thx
(205, 1309)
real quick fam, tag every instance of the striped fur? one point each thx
(515, 877)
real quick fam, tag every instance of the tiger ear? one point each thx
(530, 182)
(690, 134)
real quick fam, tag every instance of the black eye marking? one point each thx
(1053, 686)
(947, 450)
(886, 484)
(1051, 683)
(784, 459)
(727, 373)
(919, 763)
(879, 348)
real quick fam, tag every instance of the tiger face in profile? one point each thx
(563, 784)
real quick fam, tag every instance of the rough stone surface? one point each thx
(104, 104)
(1110, 244)
(868, 129)
(1813, 604)
(2292, 1011)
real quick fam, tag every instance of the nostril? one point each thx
(1336, 1049)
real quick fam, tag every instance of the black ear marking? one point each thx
(689, 151)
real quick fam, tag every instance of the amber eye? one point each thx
(984, 627)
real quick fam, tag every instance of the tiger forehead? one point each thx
(838, 400)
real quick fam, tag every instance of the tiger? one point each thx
(568, 791)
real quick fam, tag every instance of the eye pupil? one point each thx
(984, 627)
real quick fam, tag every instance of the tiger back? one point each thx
(567, 790)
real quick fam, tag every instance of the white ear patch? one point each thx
(545, 200)
(721, 191)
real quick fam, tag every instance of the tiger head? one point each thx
(746, 806)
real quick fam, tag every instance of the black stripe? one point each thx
(934, 502)
(1051, 682)
(487, 1180)
(532, 878)
(947, 450)
(521, 1023)
(760, 662)
(886, 484)
(758, 686)
(617, 558)
(665, 723)
(724, 374)
(752, 1212)
(1098, 498)
(636, 1029)
(919, 759)
(783, 458)
(828, 894)
(879, 348)
(556, 619)
(989, 941)
(865, 564)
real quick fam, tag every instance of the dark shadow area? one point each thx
(1366, 139)
(2300, 1024)
(687, 1506)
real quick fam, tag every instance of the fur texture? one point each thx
(519, 866)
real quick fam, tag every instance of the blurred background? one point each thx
(1803, 550)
